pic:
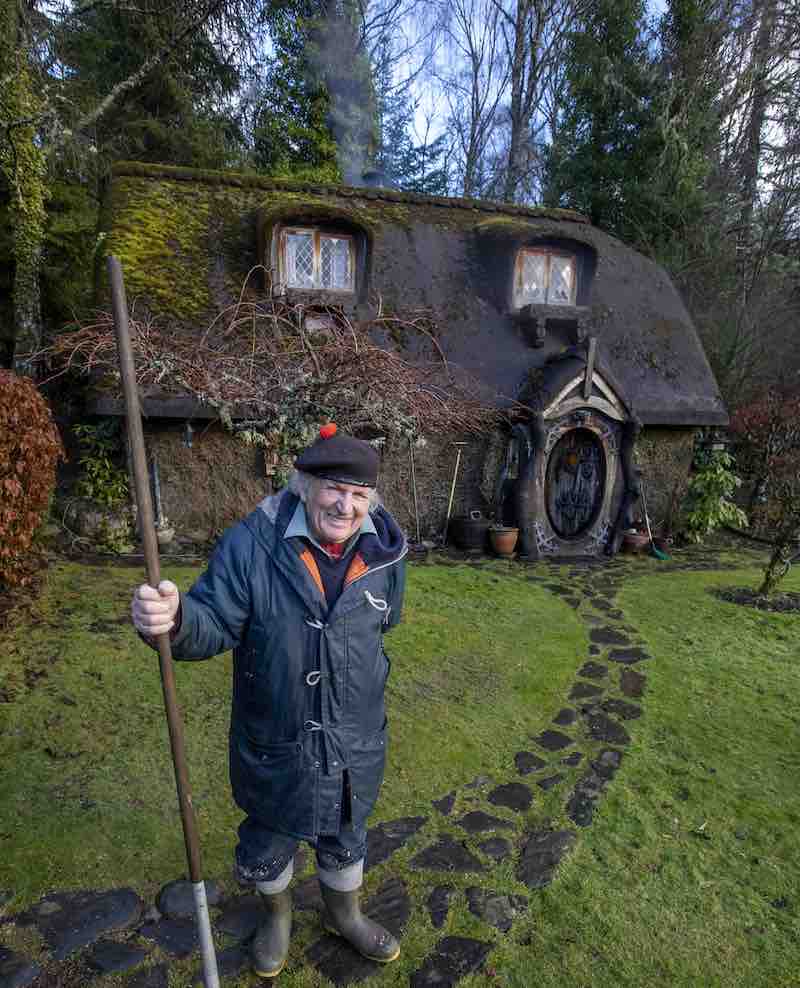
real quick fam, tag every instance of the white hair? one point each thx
(301, 483)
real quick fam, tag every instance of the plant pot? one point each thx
(634, 542)
(504, 540)
(469, 531)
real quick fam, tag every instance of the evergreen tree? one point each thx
(182, 111)
(23, 186)
(316, 116)
(640, 127)
(291, 133)
(414, 167)
(601, 157)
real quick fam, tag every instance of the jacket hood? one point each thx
(387, 543)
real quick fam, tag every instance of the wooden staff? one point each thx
(142, 486)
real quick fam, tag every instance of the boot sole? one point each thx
(270, 974)
(379, 960)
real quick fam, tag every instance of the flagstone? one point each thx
(452, 959)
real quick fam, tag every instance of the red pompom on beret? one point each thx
(328, 431)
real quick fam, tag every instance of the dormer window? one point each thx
(544, 277)
(314, 259)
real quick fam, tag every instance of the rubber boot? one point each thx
(344, 918)
(271, 942)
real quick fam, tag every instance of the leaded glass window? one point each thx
(544, 277)
(300, 259)
(534, 277)
(335, 263)
(562, 278)
(315, 260)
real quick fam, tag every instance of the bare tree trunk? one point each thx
(751, 155)
(476, 84)
(517, 110)
(535, 35)
(23, 165)
(779, 563)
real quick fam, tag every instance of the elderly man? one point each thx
(302, 590)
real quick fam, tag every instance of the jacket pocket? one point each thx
(268, 778)
(366, 766)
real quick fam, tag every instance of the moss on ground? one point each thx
(92, 803)
(687, 877)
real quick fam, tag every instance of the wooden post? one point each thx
(142, 484)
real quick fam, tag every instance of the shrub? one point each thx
(768, 437)
(102, 480)
(30, 448)
(711, 491)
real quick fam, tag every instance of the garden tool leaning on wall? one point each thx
(142, 486)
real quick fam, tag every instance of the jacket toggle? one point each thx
(380, 605)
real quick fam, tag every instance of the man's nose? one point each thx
(344, 503)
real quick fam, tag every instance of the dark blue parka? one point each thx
(308, 682)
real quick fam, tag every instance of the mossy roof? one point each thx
(188, 239)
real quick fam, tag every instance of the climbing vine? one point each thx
(23, 165)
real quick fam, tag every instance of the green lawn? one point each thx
(688, 875)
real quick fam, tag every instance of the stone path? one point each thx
(90, 934)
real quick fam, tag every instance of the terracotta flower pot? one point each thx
(504, 540)
(635, 542)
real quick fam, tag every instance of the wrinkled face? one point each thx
(335, 511)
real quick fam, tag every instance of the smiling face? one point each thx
(335, 511)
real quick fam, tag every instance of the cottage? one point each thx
(584, 342)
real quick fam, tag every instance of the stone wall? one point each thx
(220, 480)
(434, 467)
(665, 457)
(210, 486)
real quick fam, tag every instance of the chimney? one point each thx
(375, 178)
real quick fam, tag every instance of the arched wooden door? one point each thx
(575, 483)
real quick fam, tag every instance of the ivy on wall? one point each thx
(23, 166)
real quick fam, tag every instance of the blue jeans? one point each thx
(261, 854)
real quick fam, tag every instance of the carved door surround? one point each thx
(572, 471)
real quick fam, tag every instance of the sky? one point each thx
(428, 118)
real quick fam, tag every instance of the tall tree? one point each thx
(474, 77)
(292, 135)
(535, 34)
(182, 112)
(599, 161)
(318, 109)
(23, 167)
(41, 125)
(405, 162)
(736, 263)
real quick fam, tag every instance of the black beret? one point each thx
(342, 458)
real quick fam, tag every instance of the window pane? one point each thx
(335, 263)
(562, 280)
(300, 260)
(533, 289)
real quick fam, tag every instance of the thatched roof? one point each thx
(187, 240)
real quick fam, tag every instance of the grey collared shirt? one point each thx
(298, 526)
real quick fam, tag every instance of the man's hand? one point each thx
(153, 611)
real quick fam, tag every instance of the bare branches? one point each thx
(475, 83)
(268, 355)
